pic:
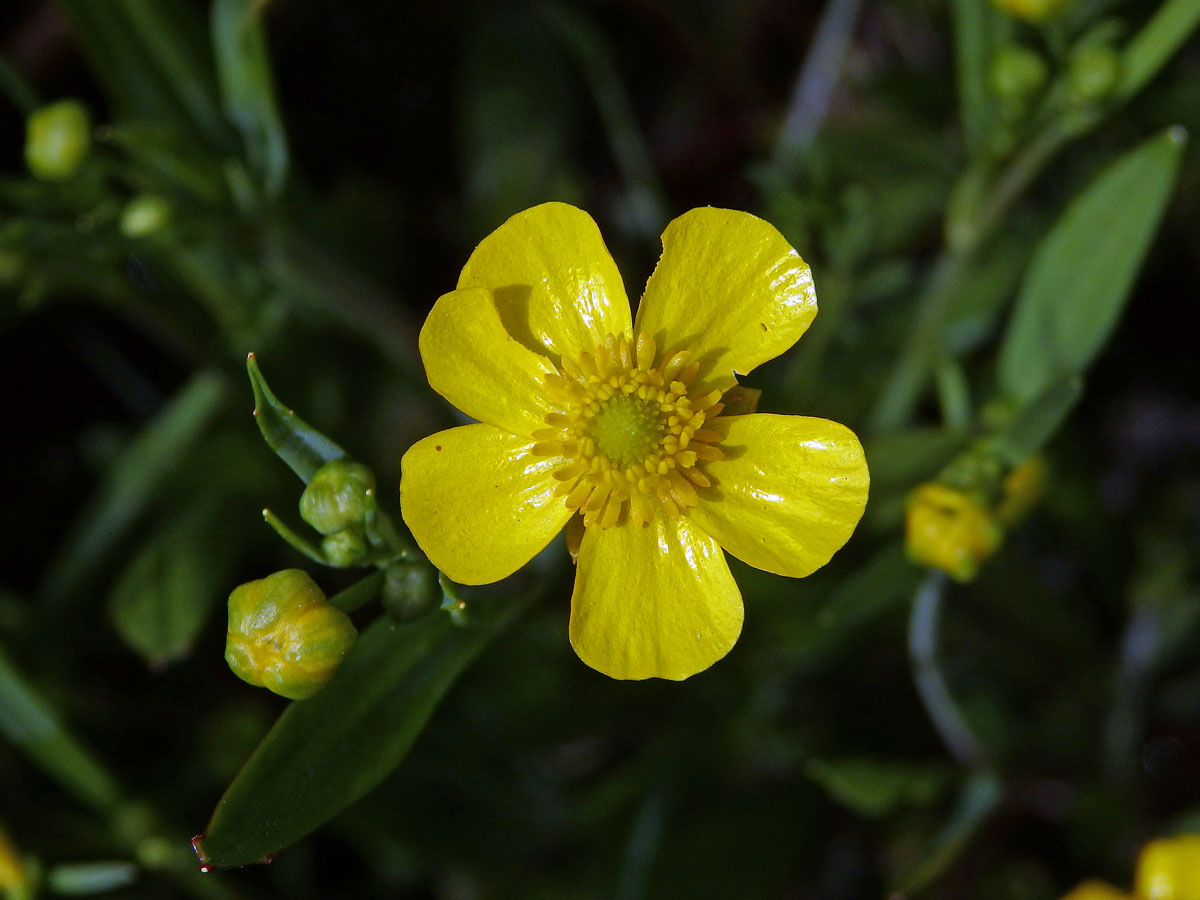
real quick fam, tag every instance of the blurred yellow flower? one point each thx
(951, 530)
(14, 879)
(612, 427)
(1096, 890)
(1169, 869)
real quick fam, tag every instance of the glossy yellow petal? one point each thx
(788, 493)
(729, 289)
(653, 602)
(556, 286)
(479, 505)
(475, 364)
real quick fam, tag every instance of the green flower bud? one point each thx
(337, 496)
(345, 548)
(145, 215)
(283, 635)
(57, 138)
(1016, 73)
(1093, 72)
(410, 590)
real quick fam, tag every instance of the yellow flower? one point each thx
(13, 877)
(950, 530)
(1096, 890)
(612, 427)
(1169, 869)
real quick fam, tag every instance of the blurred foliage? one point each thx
(1001, 217)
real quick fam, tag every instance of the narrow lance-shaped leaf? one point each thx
(329, 750)
(1083, 269)
(294, 441)
(248, 90)
(34, 728)
(133, 480)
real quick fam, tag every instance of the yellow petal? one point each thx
(475, 364)
(653, 602)
(787, 494)
(479, 505)
(1097, 890)
(1169, 869)
(728, 288)
(556, 286)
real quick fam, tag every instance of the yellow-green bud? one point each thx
(1094, 72)
(57, 138)
(345, 548)
(283, 635)
(145, 215)
(1016, 73)
(337, 496)
(410, 590)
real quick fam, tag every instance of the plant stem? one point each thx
(931, 684)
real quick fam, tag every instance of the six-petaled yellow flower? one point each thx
(611, 426)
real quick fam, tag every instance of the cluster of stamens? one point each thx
(629, 433)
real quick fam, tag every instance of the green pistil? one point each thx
(626, 430)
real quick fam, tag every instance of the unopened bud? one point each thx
(1016, 73)
(345, 548)
(57, 138)
(337, 497)
(284, 636)
(1094, 72)
(144, 215)
(950, 530)
(410, 590)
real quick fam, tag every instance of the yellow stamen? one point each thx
(629, 433)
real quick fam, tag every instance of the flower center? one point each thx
(626, 430)
(630, 435)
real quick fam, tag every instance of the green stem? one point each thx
(295, 540)
(931, 685)
(358, 594)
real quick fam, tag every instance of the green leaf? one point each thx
(164, 596)
(294, 441)
(902, 459)
(134, 480)
(326, 752)
(1150, 49)
(248, 89)
(33, 726)
(1082, 271)
(877, 787)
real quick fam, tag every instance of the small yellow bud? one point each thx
(1096, 890)
(14, 878)
(1033, 10)
(145, 215)
(283, 635)
(1022, 489)
(336, 498)
(1169, 869)
(57, 138)
(950, 530)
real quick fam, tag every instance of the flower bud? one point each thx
(337, 496)
(1016, 73)
(1033, 10)
(950, 530)
(1094, 72)
(1169, 869)
(14, 877)
(1022, 490)
(57, 138)
(410, 590)
(345, 548)
(144, 215)
(283, 635)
